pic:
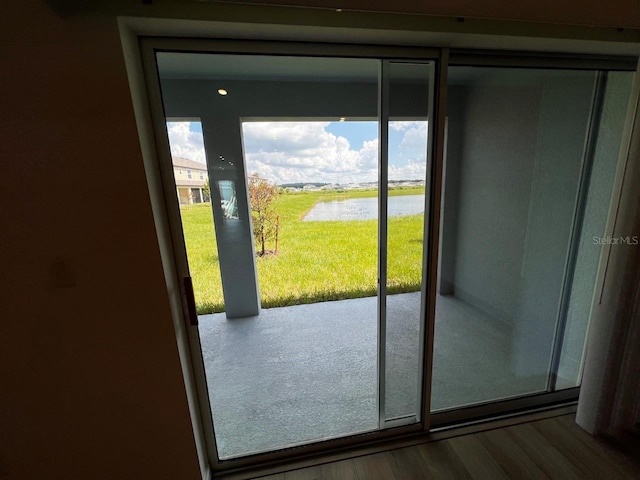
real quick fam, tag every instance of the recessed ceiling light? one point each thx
(222, 91)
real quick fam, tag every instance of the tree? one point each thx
(265, 219)
(206, 189)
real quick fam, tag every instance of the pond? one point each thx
(364, 208)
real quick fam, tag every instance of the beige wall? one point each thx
(180, 173)
(90, 381)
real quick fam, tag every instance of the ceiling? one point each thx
(199, 66)
(204, 66)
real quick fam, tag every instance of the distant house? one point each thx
(190, 177)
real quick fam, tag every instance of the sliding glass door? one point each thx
(358, 260)
(304, 243)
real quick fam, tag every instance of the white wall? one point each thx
(492, 155)
(516, 143)
(562, 131)
(511, 185)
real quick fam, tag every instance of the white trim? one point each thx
(383, 195)
(144, 123)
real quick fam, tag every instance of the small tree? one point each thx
(265, 220)
(206, 189)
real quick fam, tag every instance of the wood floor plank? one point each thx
(442, 461)
(554, 448)
(585, 458)
(476, 459)
(409, 465)
(375, 467)
(310, 473)
(544, 455)
(343, 470)
(513, 460)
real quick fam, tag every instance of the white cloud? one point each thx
(415, 138)
(409, 159)
(184, 142)
(290, 152)
(399, 125)
(413, 170)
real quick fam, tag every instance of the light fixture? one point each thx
(222, 91)
(342, 119)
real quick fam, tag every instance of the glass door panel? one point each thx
(408, 105)
(194, 198)
(292, 161)
(521, 147)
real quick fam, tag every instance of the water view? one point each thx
(364, 208)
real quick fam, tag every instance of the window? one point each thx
(188, 173)
(201, 176)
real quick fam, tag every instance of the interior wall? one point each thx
(513, 165)
(91, 381)
(562, 131)
(454, 152)
(494, 162)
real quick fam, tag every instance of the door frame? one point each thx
(428, 283)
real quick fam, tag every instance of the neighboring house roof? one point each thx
(186, 163)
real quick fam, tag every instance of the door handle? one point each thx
(191, 301)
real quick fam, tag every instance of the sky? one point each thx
(316, 152)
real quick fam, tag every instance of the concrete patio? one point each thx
(308, 372)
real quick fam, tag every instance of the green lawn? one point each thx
(316, 261)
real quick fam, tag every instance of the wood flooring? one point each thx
(554, 448)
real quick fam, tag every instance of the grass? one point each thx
(316, 261)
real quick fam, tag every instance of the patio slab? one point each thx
(309, 372)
